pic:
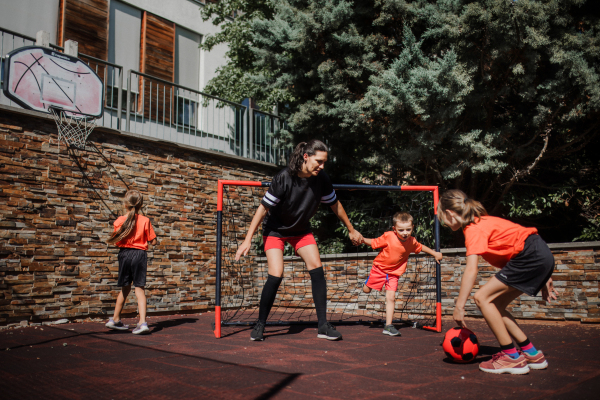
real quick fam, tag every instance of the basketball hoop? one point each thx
(73, 128)
(45, 80)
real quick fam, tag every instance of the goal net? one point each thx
(370, 209)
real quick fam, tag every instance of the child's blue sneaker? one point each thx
(141, 328)
(119, 326)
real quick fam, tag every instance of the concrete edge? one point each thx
(212, 153)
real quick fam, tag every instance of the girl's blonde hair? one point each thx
(466, 209)
(133, 201)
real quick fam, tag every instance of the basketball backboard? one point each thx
(39, 78)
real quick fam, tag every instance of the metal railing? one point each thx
(162, 109)
(172, 112)
(264, 129)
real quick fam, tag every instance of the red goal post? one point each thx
(218, 267)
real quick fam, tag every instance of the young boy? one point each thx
(396, 245)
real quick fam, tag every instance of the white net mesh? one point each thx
(73, 128)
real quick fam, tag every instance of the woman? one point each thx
(287, 208)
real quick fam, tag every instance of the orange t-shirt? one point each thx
(495, 239)
(394, 253)
(139, 236)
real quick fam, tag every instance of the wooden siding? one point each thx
(86, 22)
(157, 58)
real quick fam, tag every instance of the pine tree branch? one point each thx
(525, 171)
(564, 150)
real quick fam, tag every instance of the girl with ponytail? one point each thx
(526, 265)
(287, 207)
(132, 233)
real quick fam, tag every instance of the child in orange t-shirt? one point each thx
(132, 233)
(396, 245)
(526, 264)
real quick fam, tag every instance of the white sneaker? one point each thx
(141, 328)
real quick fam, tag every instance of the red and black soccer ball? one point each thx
(460, 344)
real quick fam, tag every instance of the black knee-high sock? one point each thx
(319, 289)
(267, 298)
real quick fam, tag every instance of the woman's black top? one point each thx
(292, 201)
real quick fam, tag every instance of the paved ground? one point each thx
(182, 359)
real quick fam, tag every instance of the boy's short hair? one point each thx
(402, 216)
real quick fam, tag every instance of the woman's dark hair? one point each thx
(297, 159)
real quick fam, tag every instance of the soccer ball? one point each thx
(460, 344)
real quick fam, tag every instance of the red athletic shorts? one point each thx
(273, 242)
(377, 278)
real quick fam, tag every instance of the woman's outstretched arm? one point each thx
(355, 236)
(260, 213)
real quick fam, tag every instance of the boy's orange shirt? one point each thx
(394, 253)
(495, 239)
(139, 237)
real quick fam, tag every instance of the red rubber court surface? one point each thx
(181, 359)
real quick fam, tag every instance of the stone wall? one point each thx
(57, 209)
(575, 278)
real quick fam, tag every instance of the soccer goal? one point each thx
(370, 209)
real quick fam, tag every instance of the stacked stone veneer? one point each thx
(575, 278)
(57, 208)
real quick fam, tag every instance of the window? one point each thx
(123, 46)
(187, 73)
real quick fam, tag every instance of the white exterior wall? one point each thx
(186, 13)
(27, 17)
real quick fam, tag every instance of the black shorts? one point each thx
(530, 269)
(133, 264)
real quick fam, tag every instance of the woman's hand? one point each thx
(548, 291)
(242, 250)
(355, 237)
(459, 316)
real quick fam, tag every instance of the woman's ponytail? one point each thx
(310, 148)
(297, 158)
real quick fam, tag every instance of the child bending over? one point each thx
(132, 233)
(396, 245)
(526, 264)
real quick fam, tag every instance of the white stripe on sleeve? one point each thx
(270, 198)
(269, 202)
(330, 198)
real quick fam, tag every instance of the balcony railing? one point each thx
(157, 108)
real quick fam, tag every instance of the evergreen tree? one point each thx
(499, 98)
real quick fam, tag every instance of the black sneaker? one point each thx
(327, 331)
(257, 332)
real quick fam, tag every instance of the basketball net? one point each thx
(73, 130)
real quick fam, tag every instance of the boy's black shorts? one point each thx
(530, 269)
(133, 264)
